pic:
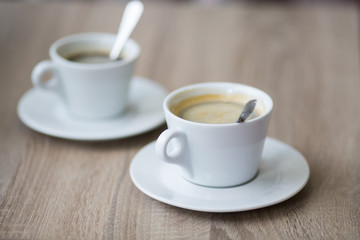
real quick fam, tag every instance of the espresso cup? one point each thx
(89, 90)
(215, 155)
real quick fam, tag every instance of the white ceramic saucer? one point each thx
(283, 173)
(44, 112)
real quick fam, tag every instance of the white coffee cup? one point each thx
(215, 155)
(88, 90)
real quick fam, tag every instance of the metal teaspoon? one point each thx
(248, 109)
(130, 18)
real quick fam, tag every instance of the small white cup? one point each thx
(88, 90)
(215, 155)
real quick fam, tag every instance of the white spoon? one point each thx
(130, 18)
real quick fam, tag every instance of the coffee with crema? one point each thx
(213, 108)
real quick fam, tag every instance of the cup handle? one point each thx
(162, 144)
(37, 76)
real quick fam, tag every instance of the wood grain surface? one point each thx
(305, 56)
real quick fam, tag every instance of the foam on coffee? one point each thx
(213, 108)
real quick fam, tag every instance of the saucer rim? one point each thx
(306, 173)
(32, 124)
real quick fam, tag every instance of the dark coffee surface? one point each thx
(93, 57)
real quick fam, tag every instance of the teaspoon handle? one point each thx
(130, 18)
(248, 109)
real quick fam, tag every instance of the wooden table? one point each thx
(305, 56)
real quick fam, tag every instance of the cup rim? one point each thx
(169, 97)
(91, 36)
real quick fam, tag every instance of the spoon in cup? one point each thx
(246, 112)
(130, 18)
